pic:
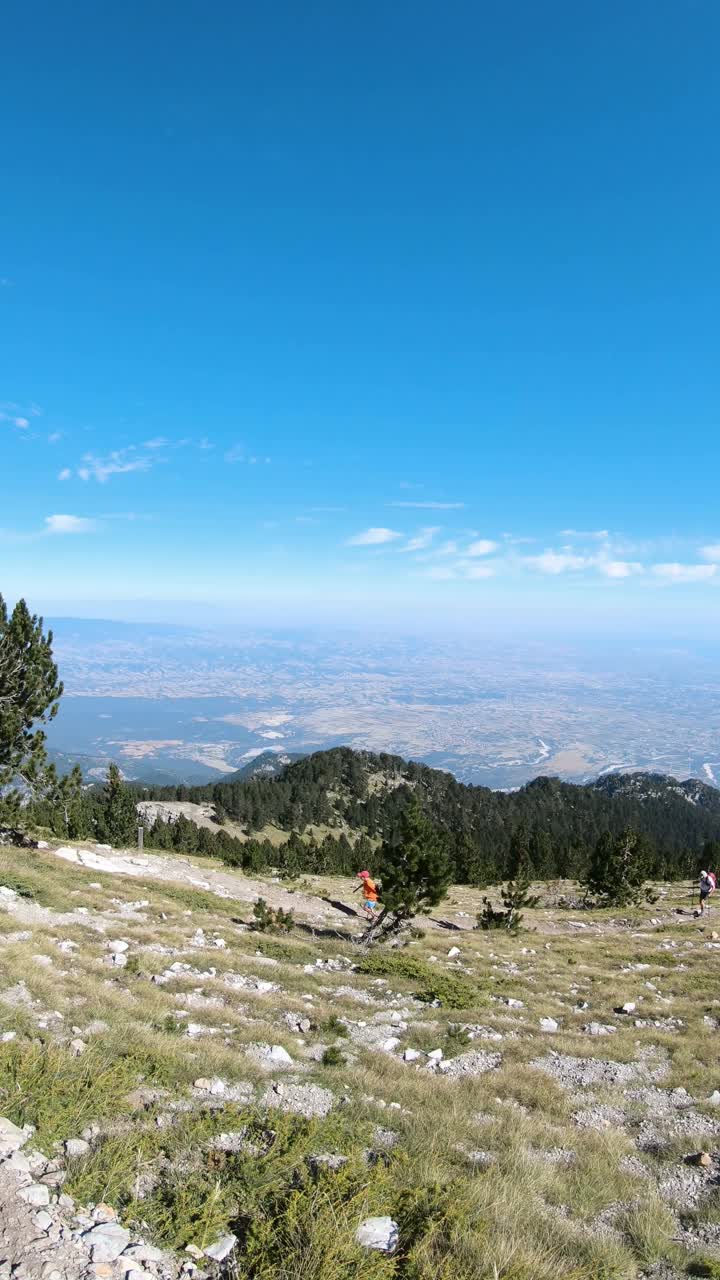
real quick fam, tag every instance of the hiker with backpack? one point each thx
(708, 885)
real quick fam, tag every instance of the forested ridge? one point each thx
(359, 794)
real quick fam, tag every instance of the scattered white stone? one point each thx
(549, 1024)
(714, 1098)
(117, 947)
(12, 1138)
(42, 1220)
(514, 1004)
(197, 1029)
(144, 1253)
(107, 1241)
(215, 1086)
(435, 1055)
(222, 1248)
(36, 1194)
(269, 1055)
(453, 952)
(75, 1147)
(629, 1006)
(77, 1047)
(378, 1233)
(475, 1063)
(411, 1055)
(599, 1029)
(390, 1044)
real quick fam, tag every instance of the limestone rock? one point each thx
(378, 1233)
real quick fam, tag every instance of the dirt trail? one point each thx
(225, 884)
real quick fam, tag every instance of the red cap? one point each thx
(363, 875)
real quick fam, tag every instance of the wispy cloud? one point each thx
(15, 420)
(422, 540)
(675, 572)
(461, 570)
(601, 534)
(711, 552)
(159, 442)
(619, 568)
(54, 437)
(481, 547)
(555, 562)
(429, 506)
(119, 462)
(65, 474)
(373, 537)
(238, 453)
(69, 524)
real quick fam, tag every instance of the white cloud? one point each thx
(557, 561)
(421, 540)
(482, 547)
(430, 506)
(65, 474)
(54, 437)
(619, 568)
(685, 572)
(119, 462)
(238, 453)
(711, 552)
(601, 534)
(69, 524)
(448, 548)
(373, 537)
(159, 442)
(15, 420)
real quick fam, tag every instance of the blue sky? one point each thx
(402, 313)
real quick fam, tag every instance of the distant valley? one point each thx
(172, 704)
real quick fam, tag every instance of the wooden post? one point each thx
(141, 837)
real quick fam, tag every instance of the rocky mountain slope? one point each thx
(211, 1100)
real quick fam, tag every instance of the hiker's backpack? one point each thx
(713, 880)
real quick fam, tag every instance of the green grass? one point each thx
(521, 1216)
(429, 983)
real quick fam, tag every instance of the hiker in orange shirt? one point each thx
(370, 894)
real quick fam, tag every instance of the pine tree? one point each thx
(414, 869)
(516, 898)
(118, 819)
(618, 869)
(29, 696)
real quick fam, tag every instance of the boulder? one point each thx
(221, 1248)
(549, 1024)
(106, 1241)
(11, 1137)
(378, 1233)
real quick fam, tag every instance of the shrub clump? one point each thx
(268, 919)
(449, 989)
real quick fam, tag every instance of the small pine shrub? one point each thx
(268, 918)
(332, 1057)
(515, 898)
(332, 1026)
